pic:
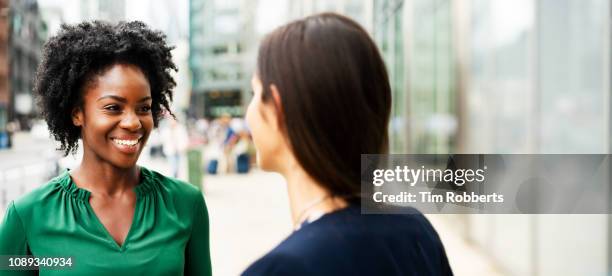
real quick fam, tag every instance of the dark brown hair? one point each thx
(335, 96)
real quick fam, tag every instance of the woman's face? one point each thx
(262, 120)
(116, 116)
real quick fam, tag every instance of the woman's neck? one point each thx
(100, 177)
(306, 195)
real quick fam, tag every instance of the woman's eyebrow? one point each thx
(145, 99)
(122, 99)
(114, 97)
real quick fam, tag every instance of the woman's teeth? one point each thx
(126, 142)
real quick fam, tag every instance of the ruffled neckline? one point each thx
(146, 186)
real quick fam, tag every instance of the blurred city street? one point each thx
(26, 150)
(523, 77)
(29, 163)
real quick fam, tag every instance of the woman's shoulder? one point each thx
(45, 192)
(348, 227)
(45, 196)
(371, 243)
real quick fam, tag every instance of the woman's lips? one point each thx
(127, 145)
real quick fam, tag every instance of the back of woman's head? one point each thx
(334, 94)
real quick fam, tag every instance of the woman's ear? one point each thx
(77, 116)
(277, 104)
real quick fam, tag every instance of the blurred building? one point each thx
(57, 12)
(27, 33)
(108, 10)
(416, 40)
(358, 10)
(523, 76)
(220, 33)
(170, 17)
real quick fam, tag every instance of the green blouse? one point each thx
(169, 233)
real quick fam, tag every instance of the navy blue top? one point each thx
(346, 242)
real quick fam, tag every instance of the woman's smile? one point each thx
(128, 145)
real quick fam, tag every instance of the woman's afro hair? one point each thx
(78, 53)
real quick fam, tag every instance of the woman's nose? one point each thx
(130, 121)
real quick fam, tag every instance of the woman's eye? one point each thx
(145, 109)
(112, 107)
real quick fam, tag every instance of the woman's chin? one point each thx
(125, 164)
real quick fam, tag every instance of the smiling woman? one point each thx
(108, 85)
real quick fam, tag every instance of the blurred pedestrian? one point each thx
(108, 85)
(201, 128)
(321, 99)
(175, 140)
(11, 128)
(239, 147)
(216, 153)
(227, 123)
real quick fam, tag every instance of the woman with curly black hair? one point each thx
(108, 85)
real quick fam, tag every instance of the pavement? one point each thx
(26, 150)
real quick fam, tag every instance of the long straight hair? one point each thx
(335, 96)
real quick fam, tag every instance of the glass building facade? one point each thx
(219, 34)
(522, 76)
